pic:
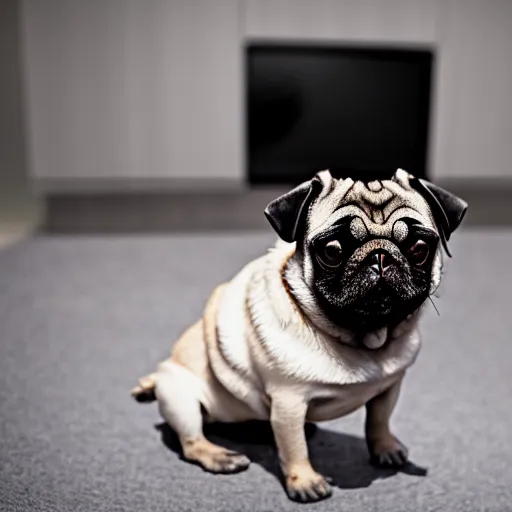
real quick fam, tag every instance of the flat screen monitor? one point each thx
(357, 111)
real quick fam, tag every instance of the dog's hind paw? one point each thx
(214, 458)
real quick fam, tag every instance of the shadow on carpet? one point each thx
(342, 457)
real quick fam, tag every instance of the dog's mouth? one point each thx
(366, 301)
(382, 306)
(379, 301)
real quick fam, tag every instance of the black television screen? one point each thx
(357, 111)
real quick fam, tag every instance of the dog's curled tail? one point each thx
(145, 391)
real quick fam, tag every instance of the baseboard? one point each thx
(489, 200)
(153, 212)
(123, 185)
(232, 207)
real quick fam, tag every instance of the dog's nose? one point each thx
(379, 262)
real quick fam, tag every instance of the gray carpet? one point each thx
(82, 318)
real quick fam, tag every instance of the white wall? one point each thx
(20, 209)
(473, 130)
(153, 89)
(13, 169)
(399, 21)
(133, 89)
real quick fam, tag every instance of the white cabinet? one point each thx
(133, 89)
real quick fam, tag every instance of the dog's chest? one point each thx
(333, 367)
(331, 402)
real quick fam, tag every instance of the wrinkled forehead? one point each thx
(375, 208)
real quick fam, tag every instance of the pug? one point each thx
(325, 323)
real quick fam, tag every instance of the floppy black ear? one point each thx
(448, 209)
(287, 213)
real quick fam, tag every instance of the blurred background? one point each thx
(121, 115)
(141, 140)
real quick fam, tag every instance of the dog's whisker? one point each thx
(437, 311)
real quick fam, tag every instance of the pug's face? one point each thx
(370, 252)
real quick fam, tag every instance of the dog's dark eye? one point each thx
(418, 253)
(331, 254)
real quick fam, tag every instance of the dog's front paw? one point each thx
(388, 452)
(306, 485)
